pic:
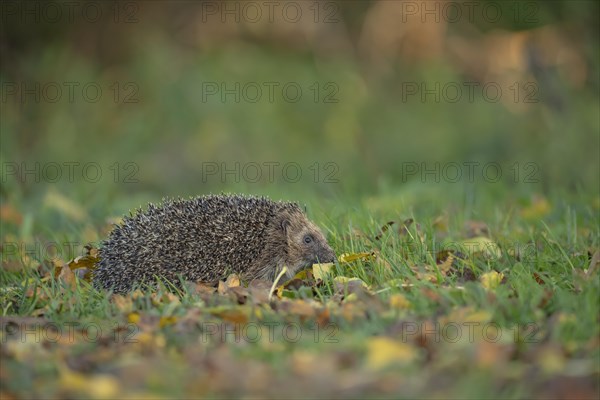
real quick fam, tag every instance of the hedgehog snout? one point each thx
(325, 255)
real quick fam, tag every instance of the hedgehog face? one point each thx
(306, 245)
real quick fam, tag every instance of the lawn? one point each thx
(453, 166)
(493, 299)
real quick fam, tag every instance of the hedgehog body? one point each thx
(206, 238)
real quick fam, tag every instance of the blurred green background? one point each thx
(164, 98)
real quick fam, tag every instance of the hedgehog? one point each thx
(206, 238)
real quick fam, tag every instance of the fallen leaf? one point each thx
(539, 208)
(233, 280)
(483, 245)
(440, 223)
(123, 303)
(399, 302)
(203, 288)
(321, 270)
(133, 318)
(383, 352)
(166, 321)
(349, 257)
(343, 282)
(491, 280)
(444, 260)
(67, 277)
(234, 315)
(383, 229)
(476, 228)
(10, 214)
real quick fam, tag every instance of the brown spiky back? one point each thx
(203, 238)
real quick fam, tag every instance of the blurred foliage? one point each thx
(370, 53)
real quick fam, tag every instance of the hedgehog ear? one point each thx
(285, 224)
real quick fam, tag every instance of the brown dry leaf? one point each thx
(302, 308)
(67, 277)
(489, 354)
(538, 279)
(384, 228)
(12, 265)
(239, 294)
(444, 260)
(323, 317)
(222, 289)
(259, 290)
(85, 263)
(383, 352)
(424, 272)
(431, 294)
(476, 228)
(123, 303)
(232, 281)
(203, 288)
(165, 297)
(39, 293)
(351, 311)
(403, 230)
(91, 251)
(235, 315)
(10, 214)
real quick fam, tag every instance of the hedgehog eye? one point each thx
(308, 239)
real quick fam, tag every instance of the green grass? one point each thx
(541, 337)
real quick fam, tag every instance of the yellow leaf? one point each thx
(491, 280)
(482, 245)
(446, 259)
(478, 316)
(97, 386)
(165, 321)
(233, 281)
(88, 261)
(539, 208)
(347, 257)
(133, 318)
(383, 352)
(398, 301)
(551, 360)
(321, 270)
(103, 387)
